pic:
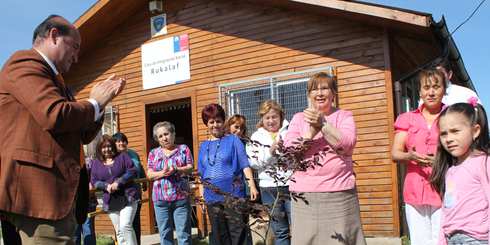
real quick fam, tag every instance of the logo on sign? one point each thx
(158, 23)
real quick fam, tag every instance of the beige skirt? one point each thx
(328, 218)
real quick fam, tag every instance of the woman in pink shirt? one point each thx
(461, 174)
(415, 144)
(332, 214)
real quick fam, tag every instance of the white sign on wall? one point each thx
(158, 25)
(165, 62)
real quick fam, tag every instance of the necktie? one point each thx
(66, 90)
(69, 96)
(60, 79)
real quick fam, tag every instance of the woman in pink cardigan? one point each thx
(331, 214)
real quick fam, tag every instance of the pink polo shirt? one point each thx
(336, 172)
(417, 189)
(465, 206)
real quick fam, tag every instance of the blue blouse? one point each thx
(221, 162)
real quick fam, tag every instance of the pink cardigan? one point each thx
(337, 173)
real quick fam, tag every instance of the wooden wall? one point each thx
(231, 41)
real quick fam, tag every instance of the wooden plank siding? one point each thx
(232, 41)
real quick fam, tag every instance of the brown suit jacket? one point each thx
(41, 129)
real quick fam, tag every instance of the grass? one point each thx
(106, 240)
(405, 240)
(196, 241)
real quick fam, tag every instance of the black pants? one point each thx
(137, 224)
(10, 234)
(227, 226)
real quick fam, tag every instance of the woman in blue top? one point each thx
(222, 162)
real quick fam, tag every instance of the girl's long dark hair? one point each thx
(444, 160)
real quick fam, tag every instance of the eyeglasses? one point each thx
(320, 89)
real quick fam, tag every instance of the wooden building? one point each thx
(242, 52)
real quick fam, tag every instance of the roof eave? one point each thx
(373, 10)
(451, 50)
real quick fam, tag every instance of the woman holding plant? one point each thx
(331, 214)
(274, 188)
(222, 162)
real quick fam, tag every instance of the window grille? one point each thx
(410, 94)
(288, 89)
(110, 121)
(109, 127)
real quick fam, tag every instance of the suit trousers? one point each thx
(9, 234)
(41, 231)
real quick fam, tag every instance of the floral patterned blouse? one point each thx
(173, 187)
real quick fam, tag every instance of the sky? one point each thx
(471, 39)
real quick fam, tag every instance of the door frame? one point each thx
(163, 97)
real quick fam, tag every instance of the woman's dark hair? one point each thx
(237, 118)
(120, 137)
(212, 111)
(106, 140)
(444, 160)
(431, 76)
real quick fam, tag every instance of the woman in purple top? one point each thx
(167, 165)
(113, 174)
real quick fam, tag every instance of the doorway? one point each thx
(179, 113)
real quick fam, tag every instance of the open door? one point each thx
(180, 113)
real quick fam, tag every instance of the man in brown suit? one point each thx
(42, 187)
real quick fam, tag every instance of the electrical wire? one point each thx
(469, 17)
(445, 52)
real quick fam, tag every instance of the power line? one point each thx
(469, 17)
(445, 52)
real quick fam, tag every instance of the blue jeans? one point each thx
(281, 215)
(137, 224)
(462, 239)
(86, 230)
(176, 213)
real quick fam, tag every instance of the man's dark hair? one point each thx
(49, 23)
(442, 62)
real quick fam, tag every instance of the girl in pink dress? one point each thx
(460, 174)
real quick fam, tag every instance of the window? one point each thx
(410, 94)
(110, 121)
(109, 127)
(289, 90)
